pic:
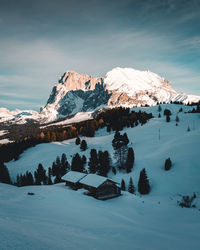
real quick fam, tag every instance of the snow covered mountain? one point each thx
(76, 93)
(18, 116)
(119, 87)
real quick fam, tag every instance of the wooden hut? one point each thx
(101, 188)
(72, 179)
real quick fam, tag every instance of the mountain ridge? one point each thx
(119, 87)
(76, 92)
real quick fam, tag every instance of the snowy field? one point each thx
(59, 218)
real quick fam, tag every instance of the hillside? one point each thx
(63, 218)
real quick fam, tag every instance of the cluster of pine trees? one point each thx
(143, 184)
(125, 156)
(99, 163)
(4, 174)
(41, 176)
(118, 118)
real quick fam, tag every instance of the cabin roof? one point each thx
(73, 176)
(94, 180)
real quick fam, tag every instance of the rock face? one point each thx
(119, 87)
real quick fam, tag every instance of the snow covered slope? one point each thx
(120, 87)
(150, 152)
(59, 218)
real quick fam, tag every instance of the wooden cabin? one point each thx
(100, 187)
(72, 179)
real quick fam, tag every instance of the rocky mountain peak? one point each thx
(119, 87)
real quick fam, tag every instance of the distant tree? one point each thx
(181, 110)
(131, 187)
(53, 136)
(167, 113)
(168, 164)
(123, 185)
(83, 146)
(143, 183)
(159, 108)
(177, 118)
(130, 160)
(4, 174)
(78, 141)
(167, 118)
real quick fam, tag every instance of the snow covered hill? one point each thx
(150, 152)
(59, 218)
(119, 87)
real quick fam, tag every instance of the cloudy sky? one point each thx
(40, 39)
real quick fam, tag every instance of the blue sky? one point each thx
(41, 39)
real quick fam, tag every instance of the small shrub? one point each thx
(187, 201)
(168, 164)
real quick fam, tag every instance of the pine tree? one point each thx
(119, 144)
(78, 141)
(104, 163)
(49, 181)
(64, 165)
(57, 179)
(77, 164)
(123, 185)
(84, 159)
(167, 113)
(130, 160)
(83, 146)
(40, 175)
(54, 169)
(167, 118)
(168, 164)
(93, 161)
(29, 179)
(131, 187)
(4, 174)
(177, 118)
(143, 183)
(159, 108)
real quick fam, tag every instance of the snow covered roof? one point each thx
(94, 180)
(73, 176)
